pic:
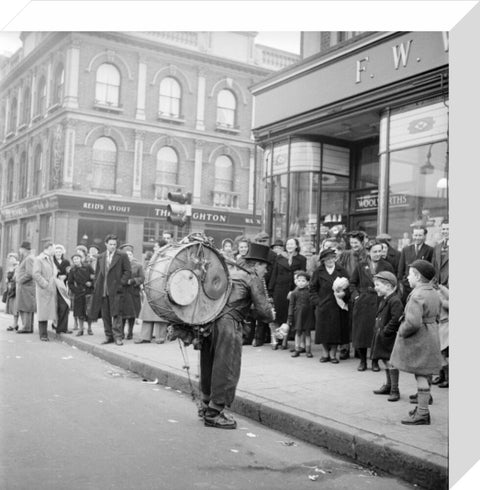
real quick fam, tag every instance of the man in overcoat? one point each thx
(26, 303)
(51, 306)
(111, 276)
(418, 250)
(440, 256)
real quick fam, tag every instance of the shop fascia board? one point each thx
(428, 85)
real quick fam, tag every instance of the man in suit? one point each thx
(25, 285)
(111, 276)
(440, 256)
(393, 256)
(418, 250)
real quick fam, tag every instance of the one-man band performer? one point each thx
(221, 351)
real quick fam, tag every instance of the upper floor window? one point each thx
(25, 111)
(226, 108)
(23, 180)
(167, 165)
(223, 173)
(170, 97)
(13, 116)
(104, 165)
(10, 170)
(37, 170)
(41, 96)
(107, 88)
(58, 84)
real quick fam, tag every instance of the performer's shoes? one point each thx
(394, 396)
(362, 366)
(202, 409)
(214, 418)
(375, 366)
(383, 390)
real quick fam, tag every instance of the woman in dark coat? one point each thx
(80, 284)
(132, 300)
(11, 299)
(365, 301)
(331, 320)
(282, 279)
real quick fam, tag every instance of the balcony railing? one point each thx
(162, 190)
(226, 199)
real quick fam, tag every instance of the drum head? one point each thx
(182, 287)
(215, 283)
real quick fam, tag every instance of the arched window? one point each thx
(41, 96)
(37, 170)
(226, 109)
(25, 112)
(10, 170)
(104, 165)
(107, 88)
(167, 166)
(13, 116)
(223, 174)
(23, 177)
(170, 97)
(58, 84)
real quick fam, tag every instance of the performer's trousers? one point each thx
(113, 330)
(220, 361)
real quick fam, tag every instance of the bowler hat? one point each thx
(387, 276)
(257, 251)
(26, 245)
(425, 268)
(327, 252)
(278, 243)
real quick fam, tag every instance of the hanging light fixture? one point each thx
(427, 168)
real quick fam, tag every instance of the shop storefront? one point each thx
(360, 139)
(72, 220)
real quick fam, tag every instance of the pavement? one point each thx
(329, 405)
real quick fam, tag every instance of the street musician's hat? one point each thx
(257, 251)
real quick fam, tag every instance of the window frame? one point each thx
(102, 163)
(170, 98)
(104, 101)
(228, 110)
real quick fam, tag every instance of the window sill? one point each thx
(9, 135)
(172, 119)
(22, 127)
(36, 118)
(54, 107)
(227, 129)
(108, 108)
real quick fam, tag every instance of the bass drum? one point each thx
(187, 283)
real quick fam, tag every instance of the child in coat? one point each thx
(301, 314)
(387, 321)
(417, 346)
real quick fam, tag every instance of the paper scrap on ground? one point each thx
(249, 434)
(67, 357)
(234, 450)
(154, 382)
(313, 477)
(173, 421)
(287, 443)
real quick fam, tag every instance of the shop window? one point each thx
(226, 109)
(37, 170)
(167, 172)
(334, 205)
(41, 97)
(13, 116)
(58, 84)
(153, 230)
(170, 97)
(367, 167)
(11, 244)
(23, 180)
(304, 192)
(45, 228)
(10, 181)
(104, 165)
(418, 190)
(25, 112)
(28, 229)
(107, 87)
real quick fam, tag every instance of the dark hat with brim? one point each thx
(387, 277)
(326, 253)
(278, 243)
(425, 268)
(257, 251)
(26, 245)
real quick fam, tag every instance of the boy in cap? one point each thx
(417, 346)
(387, 322)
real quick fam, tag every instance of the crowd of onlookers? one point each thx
(349, 298)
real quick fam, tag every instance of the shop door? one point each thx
(94, 231)
(366, 223)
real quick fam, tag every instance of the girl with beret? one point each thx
(417, 346)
